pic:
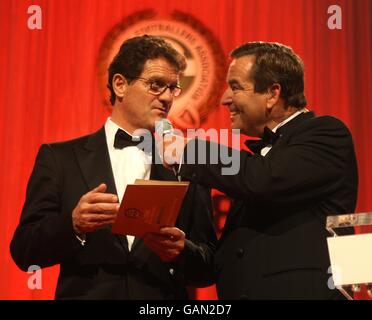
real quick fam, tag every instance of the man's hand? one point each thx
(94, 210)
(171, 149)
(168, 243)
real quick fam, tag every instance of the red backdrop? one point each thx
(49, 90)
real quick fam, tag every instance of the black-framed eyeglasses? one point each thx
(158, 87)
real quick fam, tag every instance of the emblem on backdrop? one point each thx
(203, 80)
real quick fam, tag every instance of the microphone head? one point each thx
(163, 126)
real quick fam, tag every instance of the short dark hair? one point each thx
(276, 63)
(134, 53)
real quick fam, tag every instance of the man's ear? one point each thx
(273, 95)
(119, 85)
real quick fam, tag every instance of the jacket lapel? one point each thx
(288, 128)
(158, 172)
(95, 165)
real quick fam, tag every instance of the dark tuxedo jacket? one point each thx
(104, 268)
(274, 241)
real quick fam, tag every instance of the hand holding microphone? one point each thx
(170, 144)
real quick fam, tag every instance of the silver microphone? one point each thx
(163, 127)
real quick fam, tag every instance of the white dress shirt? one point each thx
(127, 164)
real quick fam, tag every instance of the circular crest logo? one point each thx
(203, 80)
(132, 213)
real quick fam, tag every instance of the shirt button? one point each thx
(171, 271)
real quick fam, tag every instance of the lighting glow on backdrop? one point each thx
(50, 87)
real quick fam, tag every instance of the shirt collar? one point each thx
(290, 118)
(111, 128)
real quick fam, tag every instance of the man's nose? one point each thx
(226, 98)
(166, 96)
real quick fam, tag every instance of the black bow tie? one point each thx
(123, 139)
(269, 138)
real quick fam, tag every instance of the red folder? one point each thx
(148, 205)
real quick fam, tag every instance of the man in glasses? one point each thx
(74, 193)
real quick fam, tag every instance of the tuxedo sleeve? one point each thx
(44, 236)
(308, 166)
